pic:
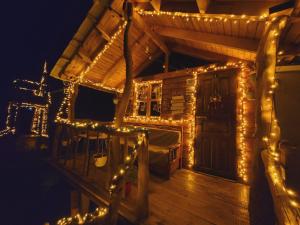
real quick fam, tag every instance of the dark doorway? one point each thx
(215, 151)
(24, 121)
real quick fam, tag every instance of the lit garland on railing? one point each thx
(272, 138)
(118, 178)
(273, 152)
(99, 213)
(98, 57)
(205, 17)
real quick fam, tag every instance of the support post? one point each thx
(84, 204)
(56, 140)
(166, 63)
(74, 198)
(71, 115)
(142, 203)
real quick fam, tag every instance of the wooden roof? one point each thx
(224, 30)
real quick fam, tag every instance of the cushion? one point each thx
(163, 138)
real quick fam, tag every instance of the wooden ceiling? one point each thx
(94, 57)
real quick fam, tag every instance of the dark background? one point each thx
(32, 32)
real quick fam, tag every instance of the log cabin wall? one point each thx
(184, 85)
(170, 118)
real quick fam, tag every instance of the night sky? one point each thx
(31, 32)
(34, 31)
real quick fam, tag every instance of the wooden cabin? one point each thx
(217, 119)
(27, 112)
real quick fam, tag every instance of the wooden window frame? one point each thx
(149, 100)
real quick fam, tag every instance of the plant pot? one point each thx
(100, 161)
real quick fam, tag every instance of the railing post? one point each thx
(74, 202)
(142, 206)
(56, 141)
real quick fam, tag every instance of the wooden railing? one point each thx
(76, 145)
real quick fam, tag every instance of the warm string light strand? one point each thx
(118, 178)
(98, 214)
(271, 141)
(39, 124)
(243, 124)
(62, 115)
(83, 80)
(205, 17)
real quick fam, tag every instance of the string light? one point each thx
(99, 213)
(62, 115)
(39, 124)
(205, 17)
(242, 125)
(39, 121)
(114, 37)
(272, 138)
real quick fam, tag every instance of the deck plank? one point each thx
(191, 198)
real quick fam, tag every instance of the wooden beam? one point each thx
(166, 63)
(202, 54)
(120, 62)
(138, 70)
(296, 10)
(103, 33)
(82, 33)
(156, 4)
(246, 45)
(173, 74)
(138, 20)
(202, 5)
(84, 56)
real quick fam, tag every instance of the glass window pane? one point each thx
(156, 91)
(143, 92)
(155, 108)
(142, 108)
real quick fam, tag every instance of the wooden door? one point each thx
(215, 124)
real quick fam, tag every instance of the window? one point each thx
(148, 98)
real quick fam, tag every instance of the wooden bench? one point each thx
(164, 151)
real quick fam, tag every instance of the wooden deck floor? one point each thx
(188, 198)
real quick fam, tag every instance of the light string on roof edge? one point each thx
(114, 37)
(205, 17)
